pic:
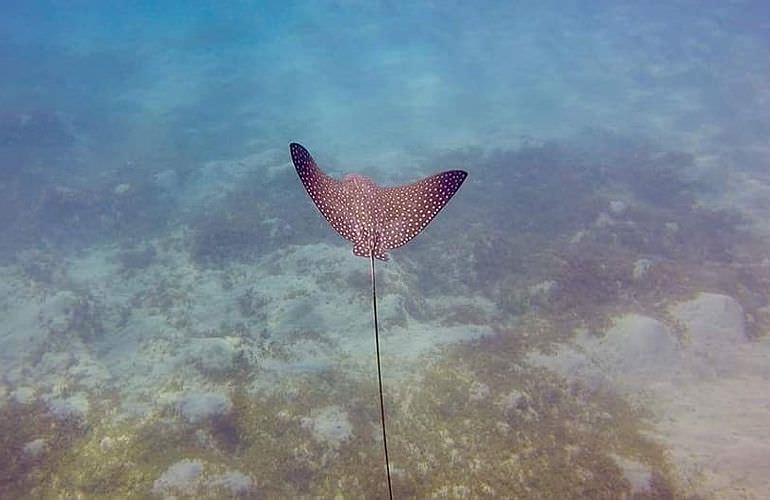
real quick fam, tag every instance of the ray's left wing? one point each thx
(329, 195)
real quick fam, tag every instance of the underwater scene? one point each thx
(565, 205)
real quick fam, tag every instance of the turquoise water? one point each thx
(587, 317)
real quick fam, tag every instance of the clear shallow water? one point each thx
(179, 318)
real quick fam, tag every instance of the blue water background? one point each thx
(145, 183)
(203, 80)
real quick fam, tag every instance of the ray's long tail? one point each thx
(379, 378)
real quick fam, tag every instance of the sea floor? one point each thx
(560, 332)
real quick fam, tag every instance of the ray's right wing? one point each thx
(406, 210)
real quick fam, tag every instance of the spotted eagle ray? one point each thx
(375, 219)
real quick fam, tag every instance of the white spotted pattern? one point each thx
(375, 219)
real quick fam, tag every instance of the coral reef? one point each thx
(227, 235)
(476, 423)
(135, 260)
(33, 443)
(254, 216)
(27, 136)
(236, 372)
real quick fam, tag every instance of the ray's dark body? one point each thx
(375, 219)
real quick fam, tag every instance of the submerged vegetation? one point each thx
(579, 234)
(555, 238)
(477, 423)
(33, 444)
(588, 318)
